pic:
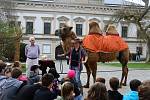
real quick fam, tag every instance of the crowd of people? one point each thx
(16, 86)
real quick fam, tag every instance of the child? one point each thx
(67, 91)
(3, 78)
(7, 72)
(100, 79)
(71, 78)
(97, 91)
(34, 77)
(12, 85)
(144, 90)
(17, 64)
(113, 93)
(44, 92)
(133, 94)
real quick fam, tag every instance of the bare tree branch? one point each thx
(145, 12)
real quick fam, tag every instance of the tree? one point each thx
(10, 32)
(140, 16)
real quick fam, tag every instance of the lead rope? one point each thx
(79, 58)
(70, 57)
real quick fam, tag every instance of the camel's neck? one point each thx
(66, 38)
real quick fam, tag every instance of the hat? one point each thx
(71, 74)
(77, 40)
(22, 78)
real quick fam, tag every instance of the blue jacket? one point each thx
(132, 95)
(10, 88)
(3, 80)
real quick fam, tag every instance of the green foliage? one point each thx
(8, 37)
(23, 68)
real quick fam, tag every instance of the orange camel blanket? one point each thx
(100, 43)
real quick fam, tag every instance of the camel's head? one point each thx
(64, 32)
(67, 35)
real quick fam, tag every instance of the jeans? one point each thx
(79, 97)
(137, 57)
(77, 76)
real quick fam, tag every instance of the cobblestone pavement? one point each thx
(107, 72)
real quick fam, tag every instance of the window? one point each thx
(47, 27)
(46, 48)
(29, 27)
(105, 27)
(79, 29)
(61, 25)
(124, 31)
(12, 23)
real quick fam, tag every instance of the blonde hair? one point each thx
(94, 27)
(111, 29)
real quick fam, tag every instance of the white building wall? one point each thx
(53, 41)
(119, 28)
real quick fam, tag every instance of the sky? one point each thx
(121, 1)
(137, 1)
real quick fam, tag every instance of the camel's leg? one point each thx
(93, 67)
(126, 75)
(88, 71)
(123, 58)
(122, 77)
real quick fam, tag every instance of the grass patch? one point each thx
(23, 68)
(130, 65)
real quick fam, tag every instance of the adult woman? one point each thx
(77, 56)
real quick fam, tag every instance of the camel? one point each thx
(66, 34)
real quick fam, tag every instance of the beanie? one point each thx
(71, 74)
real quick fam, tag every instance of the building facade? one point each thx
(42, 18)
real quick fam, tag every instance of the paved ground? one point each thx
(107, 72)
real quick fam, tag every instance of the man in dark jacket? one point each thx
(44, 92)
(27, 92)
